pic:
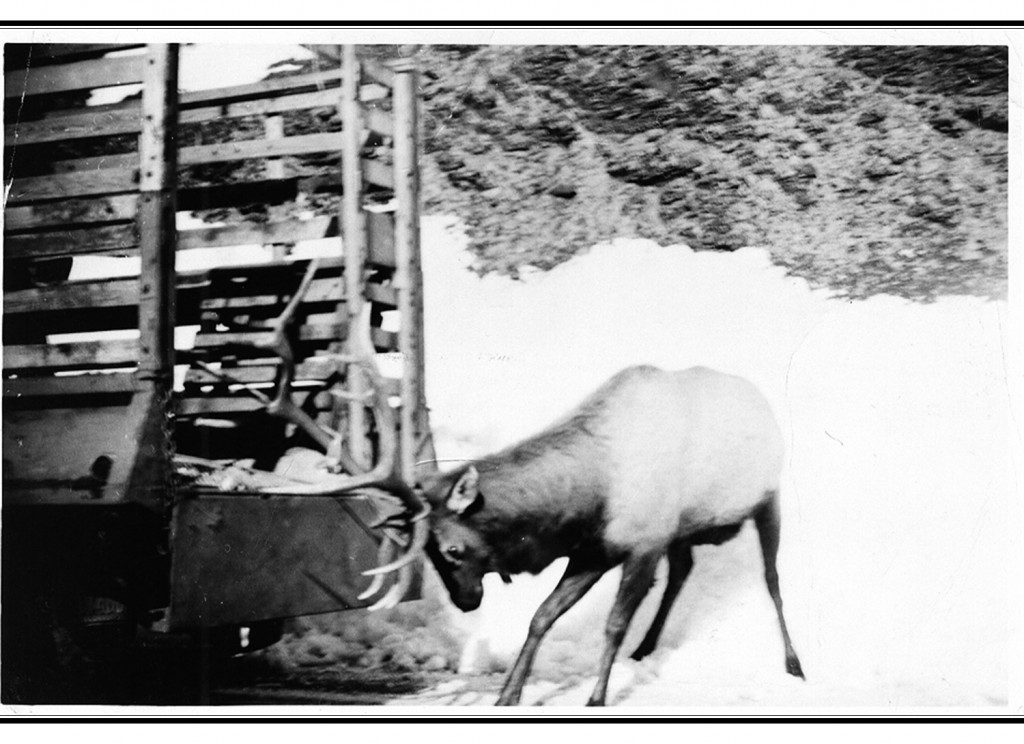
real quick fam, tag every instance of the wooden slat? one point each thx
(91, 122)
(313, 368)
(239, 403)
(263, 89)
(50, 53)
(72, 355)
(72, 213)
(75, 240)
(378, 73)
(374, 171)
(323, 328)
(72, 242)
(73, 296)
(68, 185)
(380, 230)
(124, 292)
(125, 117)
(261, 148)
(116, 383)
(98, 73)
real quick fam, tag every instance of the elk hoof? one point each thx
(642, 652)
(793, 667)
(595, 703)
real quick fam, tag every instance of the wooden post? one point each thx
(408, 276)
(353, 222)
(150, 481)
(273, 126)
(158, 159)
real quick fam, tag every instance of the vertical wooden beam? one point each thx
(151, 481)
(273, 127)
(158, 157)
(353, 233)
(408, 276)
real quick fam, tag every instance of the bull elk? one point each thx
(649, 465)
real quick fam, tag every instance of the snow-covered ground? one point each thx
(901, 525)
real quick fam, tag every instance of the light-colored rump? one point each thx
(691, 450)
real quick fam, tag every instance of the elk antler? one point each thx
(384, 475)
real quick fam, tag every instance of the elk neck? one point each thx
(543, 499)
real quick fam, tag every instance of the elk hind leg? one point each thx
(680, 562)
(637, 577)
(768, 522)
(579, 577)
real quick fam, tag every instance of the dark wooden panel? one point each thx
(80, 434)
(98, 73)
(239, 558)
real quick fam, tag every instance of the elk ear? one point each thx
(464, 493)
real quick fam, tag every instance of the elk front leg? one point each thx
(576, 581)
(637, 577)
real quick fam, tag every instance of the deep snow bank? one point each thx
(899, 521)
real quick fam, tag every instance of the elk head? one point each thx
(455, 546)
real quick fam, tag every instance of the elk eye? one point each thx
(454, 552)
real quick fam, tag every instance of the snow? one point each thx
(900, 523)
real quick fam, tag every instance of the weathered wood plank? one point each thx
(77, 125)
(72, 242)
(71, 213)
(86, 75)
(80, 355)
(51, 53)
(124, 292)
(261, 148)
(69, 185)
(380, 228)
(373, 69)
(313, 369)
(73, 296)
(374, 171)
(113, 383)
(263, 89)
(324, 328)
(125, 117)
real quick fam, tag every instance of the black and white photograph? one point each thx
(512, 371)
